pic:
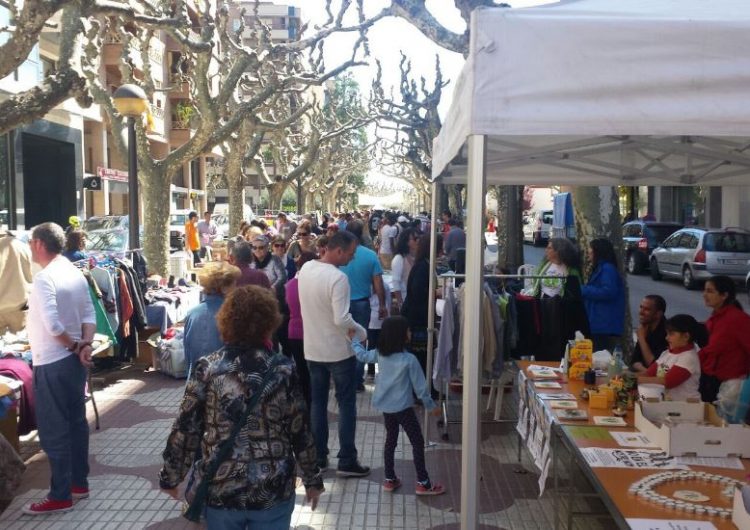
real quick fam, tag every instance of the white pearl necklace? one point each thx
(644, 489)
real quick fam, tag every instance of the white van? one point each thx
(223, 209)
(537, 227)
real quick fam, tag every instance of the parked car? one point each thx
(640, 238)
(222, 225)
(177, 221)
(115, 241)
(537, 227)
(105, 222)
(696, 254)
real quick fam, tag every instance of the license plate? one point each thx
(733, 261)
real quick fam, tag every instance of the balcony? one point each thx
(179, 134)
(113, 50)
(179, 87)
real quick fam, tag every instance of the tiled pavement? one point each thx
(136, 414)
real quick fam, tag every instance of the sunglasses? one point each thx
(302, 234)
(259, 248)
(279, 245)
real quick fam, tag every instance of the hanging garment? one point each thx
(447, 344)
(104, 280)
(19, 370)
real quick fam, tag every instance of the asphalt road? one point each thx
(679, 299)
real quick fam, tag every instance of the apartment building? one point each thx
(66, 163)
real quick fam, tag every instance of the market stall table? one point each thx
(610, 484)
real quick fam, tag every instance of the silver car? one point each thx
(696, 254)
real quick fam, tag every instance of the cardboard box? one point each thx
(598, 400)
(712, 439)
(740, 513)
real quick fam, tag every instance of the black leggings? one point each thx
(295, 349)
(408, 420)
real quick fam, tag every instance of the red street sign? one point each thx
(112, 174)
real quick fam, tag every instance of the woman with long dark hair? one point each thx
(403, 261)
(417, 300)
(727, 354)
(604, 296)
(563, 312)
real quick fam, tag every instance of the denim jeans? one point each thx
(346, 395)
(63, 429)
(277, 518)
(360, 310)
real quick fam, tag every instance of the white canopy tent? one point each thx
(590, 92)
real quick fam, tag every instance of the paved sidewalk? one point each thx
(136, 415)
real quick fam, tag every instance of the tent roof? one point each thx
(604, 92)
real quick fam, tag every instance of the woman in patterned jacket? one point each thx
(256, 482)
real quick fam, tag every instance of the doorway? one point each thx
(49, 180)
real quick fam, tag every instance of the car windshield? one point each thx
(103, 223)
(178, 219)
(109, 241)
(727, 242)
(659, 233)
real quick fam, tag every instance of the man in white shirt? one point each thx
(61, 326)
(387, 241)
(207, 231)
(324, 299)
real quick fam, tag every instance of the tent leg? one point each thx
(431, 309)
(472, 329)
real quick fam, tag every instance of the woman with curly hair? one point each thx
(243, 413)
(75, 243)
(201, 337)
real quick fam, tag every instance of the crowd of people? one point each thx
(298, 306)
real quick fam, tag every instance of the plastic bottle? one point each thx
(615, 365)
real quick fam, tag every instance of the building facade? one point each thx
(66, 163)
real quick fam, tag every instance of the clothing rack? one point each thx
(496, 385)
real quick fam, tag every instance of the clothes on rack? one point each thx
(21, 371)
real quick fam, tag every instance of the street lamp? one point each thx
(131, 102)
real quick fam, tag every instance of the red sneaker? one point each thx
(47, 506)
(391, 484)
(433, 489)
(79, 493)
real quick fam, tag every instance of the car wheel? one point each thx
(635, 264)
(687, 278)
(655, 274)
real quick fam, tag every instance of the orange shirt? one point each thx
(192, 240)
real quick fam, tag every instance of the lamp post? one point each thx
(131, 102)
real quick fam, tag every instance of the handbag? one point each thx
(196, 507)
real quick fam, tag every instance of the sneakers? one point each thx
(79, 493)
(391, 484)
(429, 489)
(355, 470)
(47, 506)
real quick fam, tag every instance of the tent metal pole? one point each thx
(472, 330)
(431, 308)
